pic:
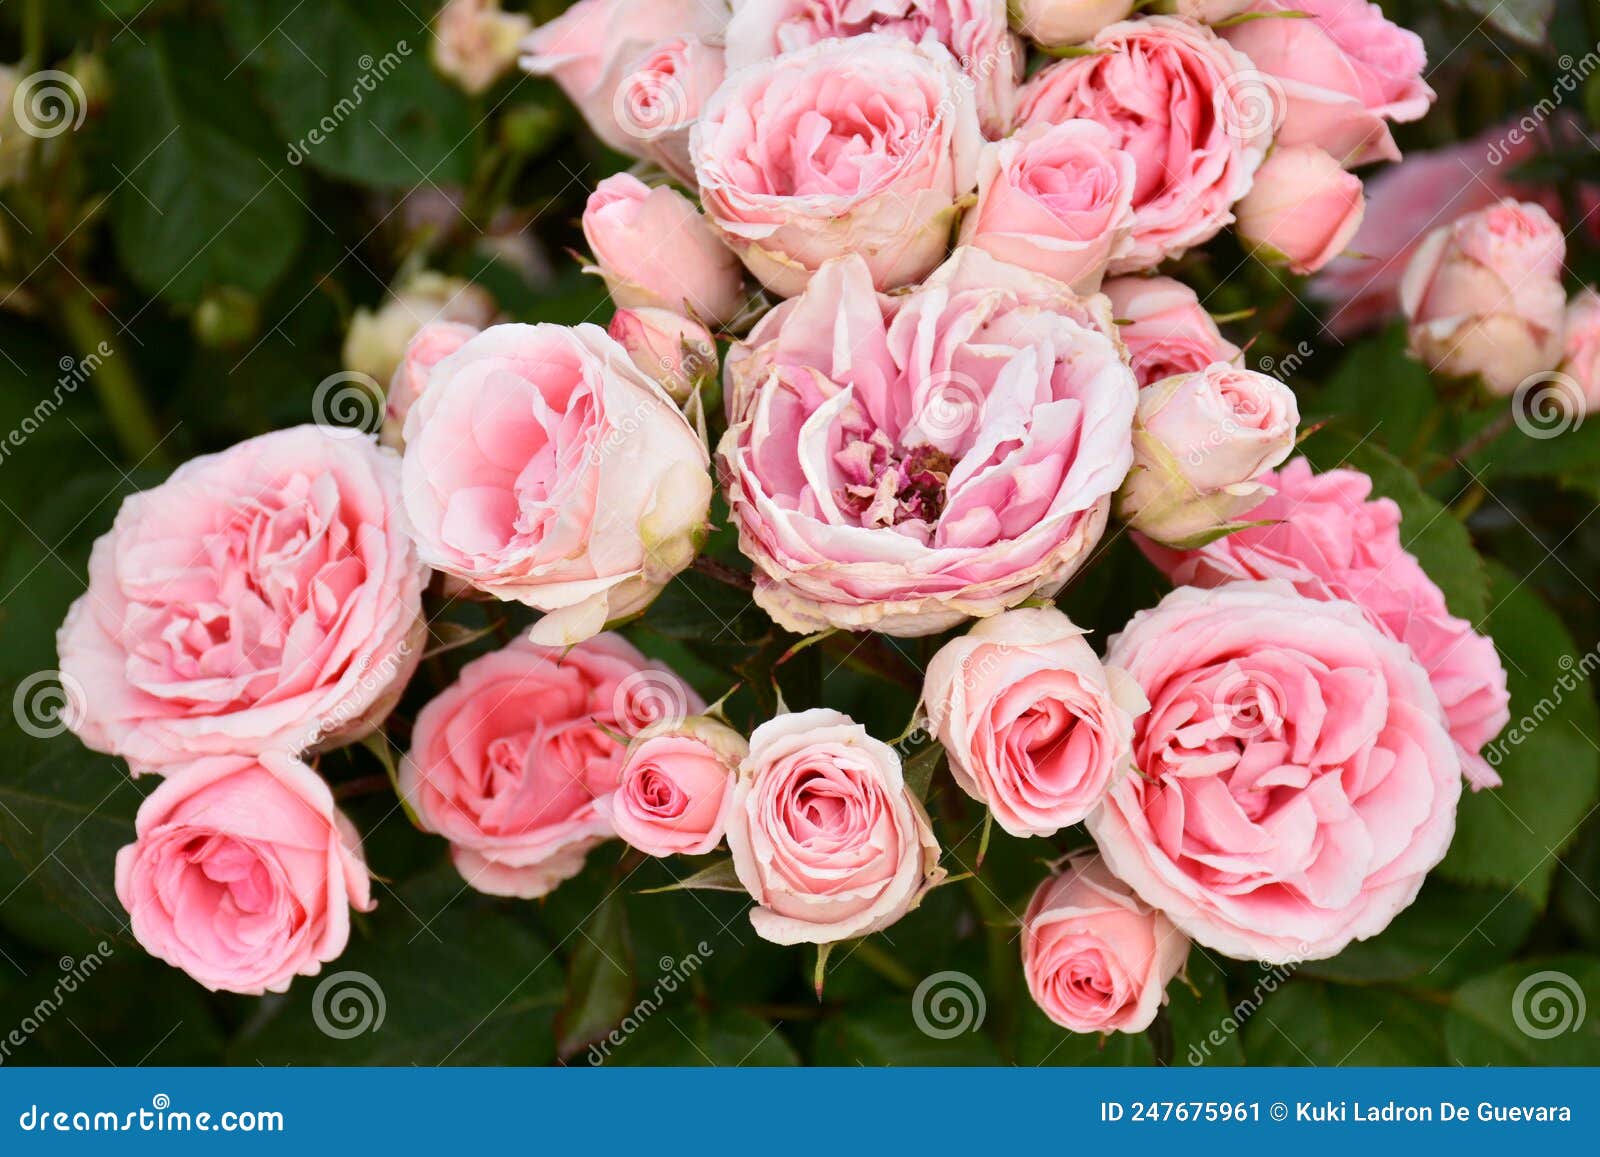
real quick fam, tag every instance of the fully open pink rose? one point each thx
(1034, 726)
(1328, 536)
(861, 146)
(1057, 199)
(1297, 781)
(507, 763)
(825, 834)
(1095, 957)
(1166, 329)
(1343, 71)
(260, 599)
(243, 873)
(1580, 355)
(431, 345)
(660, 97)
(904, 462)
(1173, 95)
(676, 787)
(543, 467)
(1303, 209)
(973, 30)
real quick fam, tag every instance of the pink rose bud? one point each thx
(1206, 11)
(1482, 296)
(654, 248)
(825, 834)
(676, 787)
(1097, 959)
(1199, 442)
(1056, 199)
(672, 349)
(474, 43)
(1580, 354)
(1060, 23)
(243, 873)
(377, 339)
(1303, 209)
(1034, 726)
(428, 347)
(660, 97)
(1166, 329)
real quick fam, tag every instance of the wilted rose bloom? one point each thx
(377, 340)
(673, 350)
(1200, 441)
(660, 96)
(427, 348)
(1034, 726)
(507, 762)
(1580, 355)
(903, 462)
(1166, 329)
(262, 599)
(1482, 296)
(1176, 97)
(826, 837)
(1059, 23)
(1303, 209)
(676, 787)
(973, 30)
(589, 49)
(243, 873)
(542, 466)
(1298, 781)
(1096, 958)
(1057, 199)
(654, 248)
(1328, 536)
(474, 43)
(861, 146)
(1343, 71)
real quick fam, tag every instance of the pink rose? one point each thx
(1060, 23)
(1206, 11)
(1035, 728)
(1297, 779)
(474, 43)
(861, 146)
(429, 346)
(1174, 96)
(660, 97)
(1166, 329)
(655, 249)
(543, 467)
(260, 599)
(676, 787)
(1056, 199)
(1326, 534)
(973, 30)
(1095, 957)
(1342, 71)
(675, 351)
(1200, 441)
(825, 834)
(903, 462)
(1482, 296)
(509, 761)
(1580, 354)
(243, 873)
(1303, 209)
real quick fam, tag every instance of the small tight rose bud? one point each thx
(674, 350)
(1302, 210)
(676, 787)
(1059, 23)
(1199, 442)
(429, 346)
(1205, 11)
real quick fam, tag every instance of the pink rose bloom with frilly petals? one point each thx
(1296, 779)
(243, 873)
(543, 467)
(676, 787)
(1344, 71)
(1303, 210)
(509, 762)
(1034, 726)
(1096, 958)
(264, 598)
(974, 31)
(863, 146)
(660, 97)
(431, 345)
(904, 462)
(826, 837)
(1166, 329)
(1328, 536)
(1171, 93)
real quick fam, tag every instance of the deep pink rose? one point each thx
(660, 97)
(428, 347)
(825, 834)
(1096, 958)
(862, 146)
(1296, 779)
(1303, 209)
(1174, 96)
(507, 762)
(243, 873)
(676, 787)
(543, 467)
(1166, 329)
(260, 599)
(1332, 540)
(1034, 726)
(903, 462)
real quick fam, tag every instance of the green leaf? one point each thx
(1311, 1023)
(1041, 1042)
(1378, 388)
(600, 978)
(1523, 20)
(718, 876)
(921, 768)
(698, 608)
(1534, 1012)
(1205, 1025)
(725, 1037)
(891, 1032)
